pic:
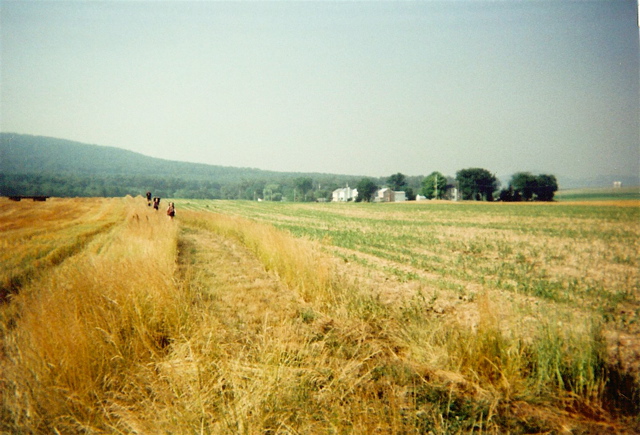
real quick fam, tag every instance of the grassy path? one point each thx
(248, 325)
(244, 299)
(280, 363)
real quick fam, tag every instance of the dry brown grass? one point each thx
(37, 235)
(80, 337)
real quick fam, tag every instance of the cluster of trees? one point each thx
(525, 186)
(477, 184)
(472, 184)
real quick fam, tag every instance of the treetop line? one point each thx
(469, 184)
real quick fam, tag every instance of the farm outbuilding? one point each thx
(387, 195)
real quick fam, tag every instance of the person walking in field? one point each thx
(171, 210)
(156, 203)
(149, 199)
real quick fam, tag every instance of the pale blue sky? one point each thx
(362, 88)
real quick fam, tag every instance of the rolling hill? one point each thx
(24, 154)
(49, 166)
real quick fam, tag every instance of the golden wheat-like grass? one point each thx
(82, 334)
(37, 235)
(296, 262)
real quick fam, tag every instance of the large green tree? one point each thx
(410, 194)
(302, 186)
(434, 185)
(477, 184)
(397, 182)
(524, 185)
(366, 188)
(546, 187)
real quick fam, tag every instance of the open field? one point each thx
(577, 256)
(600, 194)
(246, 317)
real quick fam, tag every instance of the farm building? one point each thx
(384, 195)
(345, 194)
(387, 195)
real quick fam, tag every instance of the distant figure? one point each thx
(149, 199)
(156, 203)
(171, 210)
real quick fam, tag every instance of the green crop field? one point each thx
(599, 194)
(582, 256)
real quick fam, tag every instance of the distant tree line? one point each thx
(37, 165)
(31, 165)
(472, 184)
(299, 189)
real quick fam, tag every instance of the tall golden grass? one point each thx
(36, 236)
(81, 337)
(217, 324)
(298, 263)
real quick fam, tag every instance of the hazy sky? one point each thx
(359, 87)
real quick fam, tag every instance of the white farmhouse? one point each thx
(345, 194)
(384, 195)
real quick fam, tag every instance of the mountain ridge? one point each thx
(20, 153)
(41, 165)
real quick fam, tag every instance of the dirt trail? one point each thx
(244, 300)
